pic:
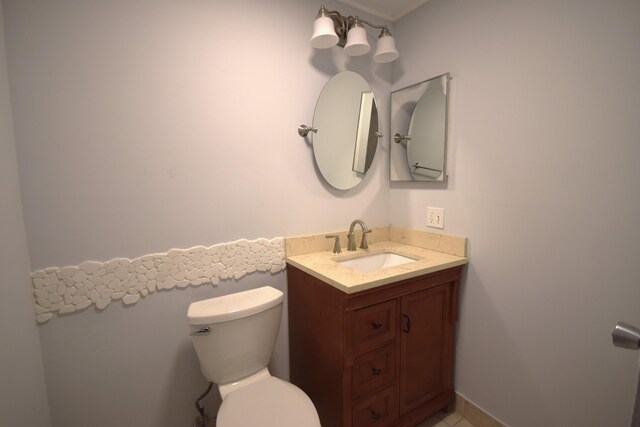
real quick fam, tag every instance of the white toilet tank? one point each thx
(241, 334)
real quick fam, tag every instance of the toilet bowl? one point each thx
(234, 336)
(270, 402)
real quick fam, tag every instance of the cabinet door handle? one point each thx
(375, 325)
(407, 326)
(376, 371)
(375, 415)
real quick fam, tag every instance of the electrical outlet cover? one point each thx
(435, 218)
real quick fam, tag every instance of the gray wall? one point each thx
(544, 182)
(23, 396)
(143, 126)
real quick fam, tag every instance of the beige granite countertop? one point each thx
(432, 251)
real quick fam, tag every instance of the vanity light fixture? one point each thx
(331, 28)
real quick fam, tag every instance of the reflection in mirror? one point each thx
(425, 152)
(367, 136)
(419, 122)
(346, 130)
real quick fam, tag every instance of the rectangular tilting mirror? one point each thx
(419, 131)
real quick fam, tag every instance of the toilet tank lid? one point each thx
(233, 306)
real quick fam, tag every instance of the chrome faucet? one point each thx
(351, 245)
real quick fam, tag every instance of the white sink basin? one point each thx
(377, 261)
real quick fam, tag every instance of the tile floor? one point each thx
(442, 419)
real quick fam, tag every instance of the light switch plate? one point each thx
(435, 218)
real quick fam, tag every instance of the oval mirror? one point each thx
(346, 130)
(425, 149)
(419, 128)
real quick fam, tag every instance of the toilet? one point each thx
(234, 336)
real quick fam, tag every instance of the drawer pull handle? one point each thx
(376, 371)
(375, 415)
(407, 327)
(375, 325)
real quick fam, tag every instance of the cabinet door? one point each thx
(426, 346)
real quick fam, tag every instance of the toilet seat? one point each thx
(268, 403)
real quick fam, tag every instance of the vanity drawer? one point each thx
(373, 371)
(373, 326)
(378, 410)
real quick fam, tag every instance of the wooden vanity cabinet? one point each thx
(379, 357)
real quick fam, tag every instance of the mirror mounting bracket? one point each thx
(303, 130)
(397, 138)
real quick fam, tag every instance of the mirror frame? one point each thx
(403, 103)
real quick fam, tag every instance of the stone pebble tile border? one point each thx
(66, 290)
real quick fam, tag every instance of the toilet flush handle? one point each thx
(204, 331)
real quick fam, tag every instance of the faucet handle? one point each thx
(363, 242)
(336, 244)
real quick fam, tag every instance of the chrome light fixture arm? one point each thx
(383, 28)
(344, 22)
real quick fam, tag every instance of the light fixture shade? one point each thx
(357, 43)
(386, 50)
(324, 33)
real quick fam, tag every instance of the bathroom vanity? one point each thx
(374, 348)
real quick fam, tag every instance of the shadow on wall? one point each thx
(476, 347)
(177, 385)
